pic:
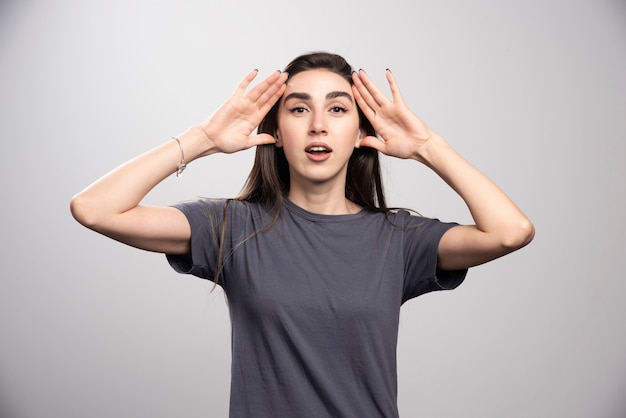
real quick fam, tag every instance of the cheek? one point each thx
(288, 127)
(351, 130)
(281, 128)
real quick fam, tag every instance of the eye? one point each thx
(297, 109)
(338, 109)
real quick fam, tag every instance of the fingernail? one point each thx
(388, 70)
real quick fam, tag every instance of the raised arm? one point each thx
(111, 205)
(500, 226)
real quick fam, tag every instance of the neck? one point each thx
(323, 200)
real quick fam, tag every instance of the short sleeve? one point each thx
(421, 243)
(205, 217)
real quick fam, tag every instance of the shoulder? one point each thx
(404, 218)
(214, 211)
(416, 225)
(232, 216)
(219, 206)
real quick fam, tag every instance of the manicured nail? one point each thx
(388, 70)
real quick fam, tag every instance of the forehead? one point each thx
(318, 80)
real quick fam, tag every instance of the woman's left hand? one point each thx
(500, 226)
(401, 131)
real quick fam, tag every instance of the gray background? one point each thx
(532, 92)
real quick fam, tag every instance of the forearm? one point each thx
(499, 225)
(494, 213)
(123, 188)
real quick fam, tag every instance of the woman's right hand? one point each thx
(111, 205)
(229, 129)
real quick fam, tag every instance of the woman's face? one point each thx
(318, 126)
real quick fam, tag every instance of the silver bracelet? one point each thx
(182, 165)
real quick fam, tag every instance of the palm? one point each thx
(230, 127)
(402, 132)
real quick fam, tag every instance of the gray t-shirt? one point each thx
(314, 302)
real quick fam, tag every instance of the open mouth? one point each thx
(317, 148)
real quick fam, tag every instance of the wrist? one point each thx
(195, 144)
(431, 151)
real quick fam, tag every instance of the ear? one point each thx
(362, 134)
(278, 143)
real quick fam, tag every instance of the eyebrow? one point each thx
(307, 96)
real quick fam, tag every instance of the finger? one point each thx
(260, 139)
(393, 86)
(364, 93)
(243, 85)
(273, 92)
(367, 110)
(271, 83)
(263, 109)
(373, 142)
(377, 95)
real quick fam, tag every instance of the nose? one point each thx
(318, 124)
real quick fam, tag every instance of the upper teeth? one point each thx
(317, 149)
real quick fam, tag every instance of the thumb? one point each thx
(373, 142)
(261, 139)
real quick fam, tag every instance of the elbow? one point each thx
(520, 235)
(83, 211)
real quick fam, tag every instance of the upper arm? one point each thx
(152, 228)
(466, 246)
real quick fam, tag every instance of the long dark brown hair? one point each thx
(268, 182)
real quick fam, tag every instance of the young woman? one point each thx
(314, 264)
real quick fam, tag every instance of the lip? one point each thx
(318, 156)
